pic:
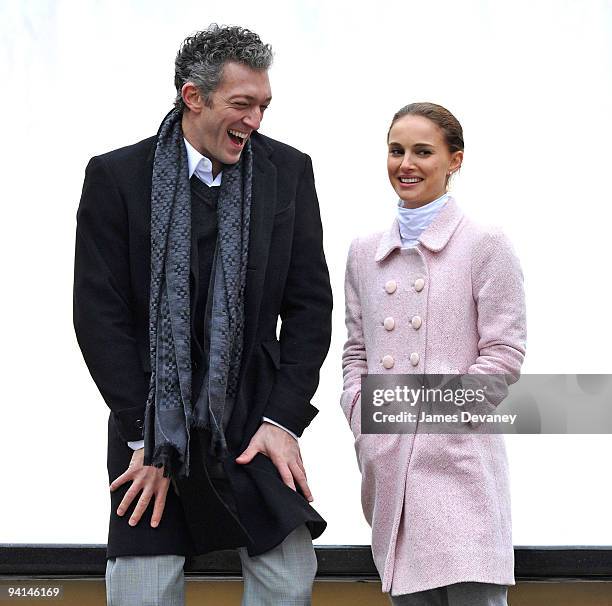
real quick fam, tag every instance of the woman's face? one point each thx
(419, 161)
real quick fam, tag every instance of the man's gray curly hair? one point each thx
(202, 56)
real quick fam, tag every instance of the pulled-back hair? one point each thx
(202, 56)
(441, 117)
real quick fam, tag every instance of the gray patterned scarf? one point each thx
(169, 414)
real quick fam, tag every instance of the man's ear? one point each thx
(192, 97)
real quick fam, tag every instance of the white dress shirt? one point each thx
(201, 166)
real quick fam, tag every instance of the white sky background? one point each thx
(529, 80)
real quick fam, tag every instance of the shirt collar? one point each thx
(414, 221)
(201, 166)
(435, 237)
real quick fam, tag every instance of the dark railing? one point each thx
(351, 562)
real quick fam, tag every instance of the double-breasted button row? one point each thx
(391, 285)
(389, 323)
(389, 362)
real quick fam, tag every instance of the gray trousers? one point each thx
(460, 594)
(281, 576)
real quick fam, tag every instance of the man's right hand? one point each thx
(149, 480)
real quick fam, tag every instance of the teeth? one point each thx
(237, 133)
(410, 180)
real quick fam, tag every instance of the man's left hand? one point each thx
(283, 451)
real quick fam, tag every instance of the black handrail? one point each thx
(350, 562)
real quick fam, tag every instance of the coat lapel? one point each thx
(263, 205)
(434, 238)
(437, 235)
(389, 241)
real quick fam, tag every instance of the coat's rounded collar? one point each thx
(434, 238)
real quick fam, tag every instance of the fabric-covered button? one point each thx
(414, 358)
(416, 322)
(419, 284)
(389, 323)
(391, 286)
(388, 362)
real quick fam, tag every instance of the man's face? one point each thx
(234, 110)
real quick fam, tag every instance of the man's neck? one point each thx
(190, 133)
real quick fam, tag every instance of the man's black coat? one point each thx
(287, 277)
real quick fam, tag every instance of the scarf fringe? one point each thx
(168, 456)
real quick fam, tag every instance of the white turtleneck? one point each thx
(413, 221)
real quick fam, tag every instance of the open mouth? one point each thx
(410, 180)
(237, 138)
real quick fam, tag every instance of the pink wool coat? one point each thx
(439, 505)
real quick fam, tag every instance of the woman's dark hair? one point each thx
(441, 117)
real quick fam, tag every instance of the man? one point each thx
(189, 247)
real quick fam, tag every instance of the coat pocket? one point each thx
(283, 207)
(355, 418)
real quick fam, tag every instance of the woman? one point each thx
(436, 293)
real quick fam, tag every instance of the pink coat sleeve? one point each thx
(497, 288)
(354, 361)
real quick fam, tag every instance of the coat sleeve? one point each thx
(497, 288)
(354, 360)
(305, 313)
(102, 314)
